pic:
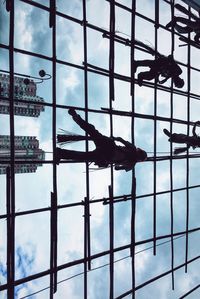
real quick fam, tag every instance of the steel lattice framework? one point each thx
(112, 200)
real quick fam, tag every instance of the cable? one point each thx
(102, 266)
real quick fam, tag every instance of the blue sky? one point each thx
(32, 231)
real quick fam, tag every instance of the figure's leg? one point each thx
(98, 138)
(75, 155)
(67, 138)
(146, 76)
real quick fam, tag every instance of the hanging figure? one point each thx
(190, 141)
(164, 66)
(106, 152)
(188, 25)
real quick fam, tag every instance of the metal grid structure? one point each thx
(134, 184)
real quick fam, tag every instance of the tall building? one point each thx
(23, 90)
(26, 148)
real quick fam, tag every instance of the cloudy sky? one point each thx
(32, 231)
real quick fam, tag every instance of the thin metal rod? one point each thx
(149, 159)
(111, 228)
(105, 73)
(53, 219)
(111, 99)
(9, 225)
(157, 277)
(53, 244)
(171, 160)
(85, 248)
(133, 183)
(73, 19)
(11, 248)
(84, 24)
(115, 112)
(117, 199)
(187, 159)
(189, 292)
(95, 256)
(156, 4)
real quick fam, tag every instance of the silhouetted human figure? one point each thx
(190, 141)
(162, 66)
(191, 25)
(106, 152)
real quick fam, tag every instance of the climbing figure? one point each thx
(163, 66)
(188, 25)
(190, 141)
(106, 152)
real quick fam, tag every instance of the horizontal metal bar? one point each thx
(157, 277)
(81, 261)
(105, 201)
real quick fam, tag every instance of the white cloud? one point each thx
(71, 81)
(27, 127)
(23, 38)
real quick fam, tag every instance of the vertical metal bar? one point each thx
(52, 13)
(133, 187)
(111, 226)
(85, 61)
(111, 98)
(187, 159)
(8, 214)
(87, 257)
(111, 60)
(12, 155)
(53, 248)
(111, 77)
(111, 72)
(171, 152)
(54, 207)
(88, 234)
(85, 247)
(156, 3)
(112, 49)
(55, 242)
(133, 225)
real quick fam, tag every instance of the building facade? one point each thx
(26, 149)
(23, 90)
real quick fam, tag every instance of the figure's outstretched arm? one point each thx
(194, 128)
